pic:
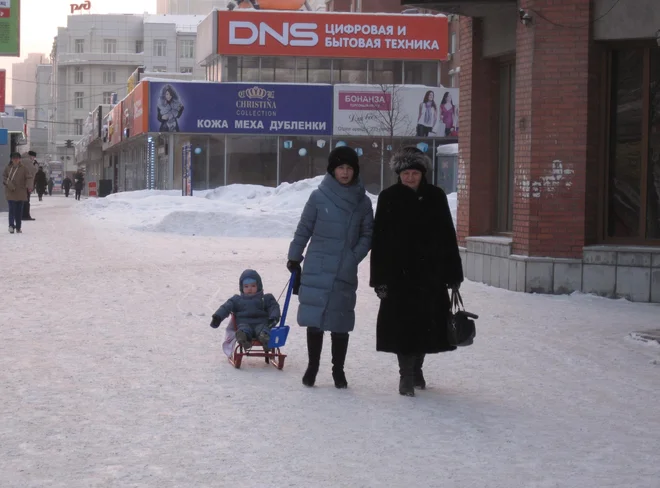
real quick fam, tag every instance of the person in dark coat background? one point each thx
(51, 184)
(414, 260)
(26, 205)
(66, 184)
(40, 182)
(79, 181)
(337, 222)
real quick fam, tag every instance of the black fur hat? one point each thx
(32, 153)
(410, 158)
(344, 155)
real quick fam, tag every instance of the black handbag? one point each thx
(461, 329)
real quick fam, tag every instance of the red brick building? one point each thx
(559, 178)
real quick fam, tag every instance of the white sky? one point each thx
(40, 20)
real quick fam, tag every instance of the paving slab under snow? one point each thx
(111, 377)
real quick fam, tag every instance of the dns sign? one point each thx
(80, 6)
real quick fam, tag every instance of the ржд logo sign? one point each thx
(246, 33)
(80, 6)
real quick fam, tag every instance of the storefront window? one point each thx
(252, 160)
(216, 161)
(421, 73)
(303, 157)
(625, 144)
(199, 155)
(653, 177)
(314, 70)
(349, 71)
(385, 72)
(267, 70)
(285, 69)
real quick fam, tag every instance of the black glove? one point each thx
(293, 266)
(381, 291)
(215, 322)
(273, 323)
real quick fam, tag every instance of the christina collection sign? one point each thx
(346, 35)
(240, 108)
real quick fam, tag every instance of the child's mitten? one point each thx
(215, 322)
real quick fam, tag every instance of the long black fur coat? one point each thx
(415, 254)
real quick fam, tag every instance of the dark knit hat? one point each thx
(32, 153)
(410, 158)
(15, 155)
(343, 155)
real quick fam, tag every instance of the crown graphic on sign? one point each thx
(256, 92)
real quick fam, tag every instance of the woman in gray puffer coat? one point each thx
(337, 222)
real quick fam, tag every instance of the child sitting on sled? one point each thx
(255, 312)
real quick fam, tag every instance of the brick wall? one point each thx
(552, 117)
(477, 172)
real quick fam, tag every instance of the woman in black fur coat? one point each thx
(414, 261)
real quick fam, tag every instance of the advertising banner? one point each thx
(3, 89)
(240, 108)
(186, 171)
(332, 35)
(111, 132)
(135, 114)
(10, 28)
(396, 111)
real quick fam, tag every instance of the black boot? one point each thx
(339, 348)
(420, 382)
(314, 348)
(406, 371)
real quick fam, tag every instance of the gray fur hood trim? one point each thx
(403, 160)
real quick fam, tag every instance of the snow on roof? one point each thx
(184, 23)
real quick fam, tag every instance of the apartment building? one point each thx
(23, 82)
(189, 7)
(94, 55)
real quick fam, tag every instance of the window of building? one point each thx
(78, 126)
(421, 73)
(186, 70)
(303, 157)
(187, 48)
(139, 46)
(160, 47)
(78, 98)
(252, 160)
(110, 46)
(506, 131)
(314, 70)
(633, 207)
(107, 98)
(109, 77)
(160, 69)
(78, 76)
(79, 45)
(385, 72)
(349, 71)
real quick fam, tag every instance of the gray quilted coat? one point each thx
(337, 223)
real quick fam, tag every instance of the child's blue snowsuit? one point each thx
(254, 314)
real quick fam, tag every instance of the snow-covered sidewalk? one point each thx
(110, 376)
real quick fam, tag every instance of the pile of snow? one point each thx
(227, 211)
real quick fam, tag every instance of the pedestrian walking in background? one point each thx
(66, 184)
(78, 181)
(40, 183)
